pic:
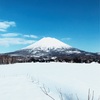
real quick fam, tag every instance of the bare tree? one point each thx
(60, 94)
(90, 96)
(46, 91)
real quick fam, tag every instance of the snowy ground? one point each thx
(25, 81)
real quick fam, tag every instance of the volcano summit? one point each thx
(48, 43)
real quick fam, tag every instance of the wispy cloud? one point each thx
(4, 25)
(19, 34)
(13, 38)
(14, 41)
(30, 36)
(9, 39)
(9, 34)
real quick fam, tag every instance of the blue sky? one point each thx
(75, 22)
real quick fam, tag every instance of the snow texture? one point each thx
(23, 81)
(48, 43)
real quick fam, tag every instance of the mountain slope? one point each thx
(48, 48)
(48, 43)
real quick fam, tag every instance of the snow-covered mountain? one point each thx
(47, 47)
(48, 43)
(50, 49)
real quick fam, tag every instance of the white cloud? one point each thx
(9, 35)
(4, 25)
(30, 36)
(18, 34)
(9, 39)
(14, 41)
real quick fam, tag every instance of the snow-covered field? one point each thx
(29, 81)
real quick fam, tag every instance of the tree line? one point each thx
(7, 59)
